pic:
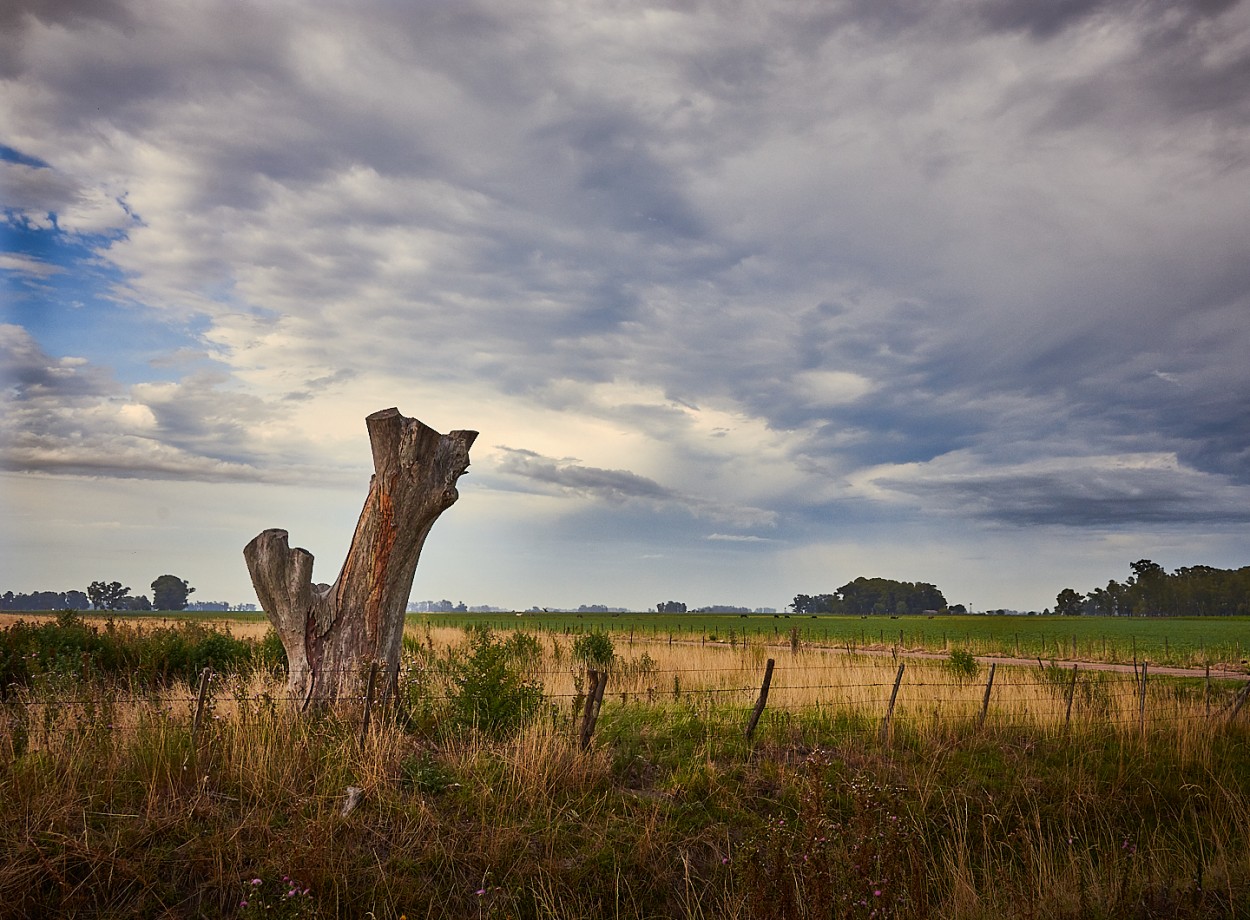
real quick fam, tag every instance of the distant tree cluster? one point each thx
(874, 596)
(169, 592)
(722, 608)
(113, 595)
(1150, 591)
(45, 600)
(670, 607)
(443, 606)
(817, 603)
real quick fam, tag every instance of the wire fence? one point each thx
(829, 696)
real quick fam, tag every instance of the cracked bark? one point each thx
(332, 632)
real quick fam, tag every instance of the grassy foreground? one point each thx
(112, 809)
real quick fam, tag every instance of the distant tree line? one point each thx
(679, 607)
(168, 593)
(874, 596)
(1190, 591)
(443, 606)
(45, 600)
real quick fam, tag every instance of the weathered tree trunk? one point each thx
(331, 632)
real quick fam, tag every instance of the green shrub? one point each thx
(70, 648)
(489, 692)
(423, 773)
(524, 649)
(595, 650)
(961, 664)
(270, 654)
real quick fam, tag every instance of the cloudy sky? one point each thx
(746, 299)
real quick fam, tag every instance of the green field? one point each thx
(1189, 641)
(1179, 641)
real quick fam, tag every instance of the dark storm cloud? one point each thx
(568, 475)
(30, 375)
(16, 17)
(1041, 20)
(68, 416)
(571, 478)
(1186, 61)
(1085, 497)
(995, 221)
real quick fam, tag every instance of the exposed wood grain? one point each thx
(331, 632)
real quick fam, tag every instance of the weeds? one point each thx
(489, 691)
(962, 665)
(69, 647)
(284, 899)
(114, 809)
(594, 650)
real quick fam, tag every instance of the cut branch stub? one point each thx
(330, 632)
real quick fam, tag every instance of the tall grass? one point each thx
(113, 809)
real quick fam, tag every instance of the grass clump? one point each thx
(961, 664)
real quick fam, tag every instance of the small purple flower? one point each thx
(876, 893)
(255, 882)
(243, 904)
(480, 892)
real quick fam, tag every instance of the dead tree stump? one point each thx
(332, 632)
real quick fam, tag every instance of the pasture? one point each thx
(1046, 793)
(1185, 642)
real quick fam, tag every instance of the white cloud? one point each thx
(25, 265)
(822, 389)
(793, 267)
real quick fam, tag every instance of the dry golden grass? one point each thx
(250, 628)
(931, 694)
(113, 808)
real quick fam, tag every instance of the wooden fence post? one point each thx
(390, 694)
(763, 699)
(201, 697)
(594, 700)
(603, 683)
(205, 676)
(889, 712)
(373, 680)
(1141, 715)
(985, 703)
(1071, 692)
(1240, 701)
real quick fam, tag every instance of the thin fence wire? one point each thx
(1111, 699)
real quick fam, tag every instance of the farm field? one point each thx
(1222, 642)
(1046, 793)
(1188, 641)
